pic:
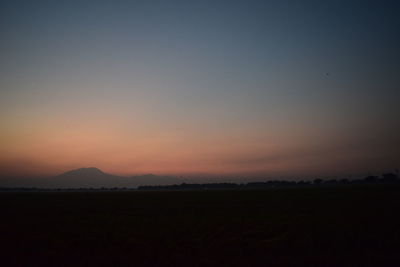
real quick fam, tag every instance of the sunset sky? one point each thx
(277, 88)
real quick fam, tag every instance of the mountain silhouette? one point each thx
(91, 171)
(86, 177)
(92, 177)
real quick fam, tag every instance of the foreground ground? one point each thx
(332, 226)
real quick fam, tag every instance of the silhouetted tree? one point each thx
(371, 179)
(331, 182)
(317, 181)
(389, 177)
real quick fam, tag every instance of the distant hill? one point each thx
(91, 171)
(85, 177)
(94, 177)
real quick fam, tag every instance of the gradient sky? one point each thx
(281, 88)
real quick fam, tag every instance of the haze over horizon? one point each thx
(277, 88)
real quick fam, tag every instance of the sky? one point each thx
(276, 88)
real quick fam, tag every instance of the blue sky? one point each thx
(180, 87)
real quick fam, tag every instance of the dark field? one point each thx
(332, 226)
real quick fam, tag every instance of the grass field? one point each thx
(331, 226)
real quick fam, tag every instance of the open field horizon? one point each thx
(335, 226)
(95, 178)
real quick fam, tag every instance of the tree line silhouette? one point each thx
(386, 178)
